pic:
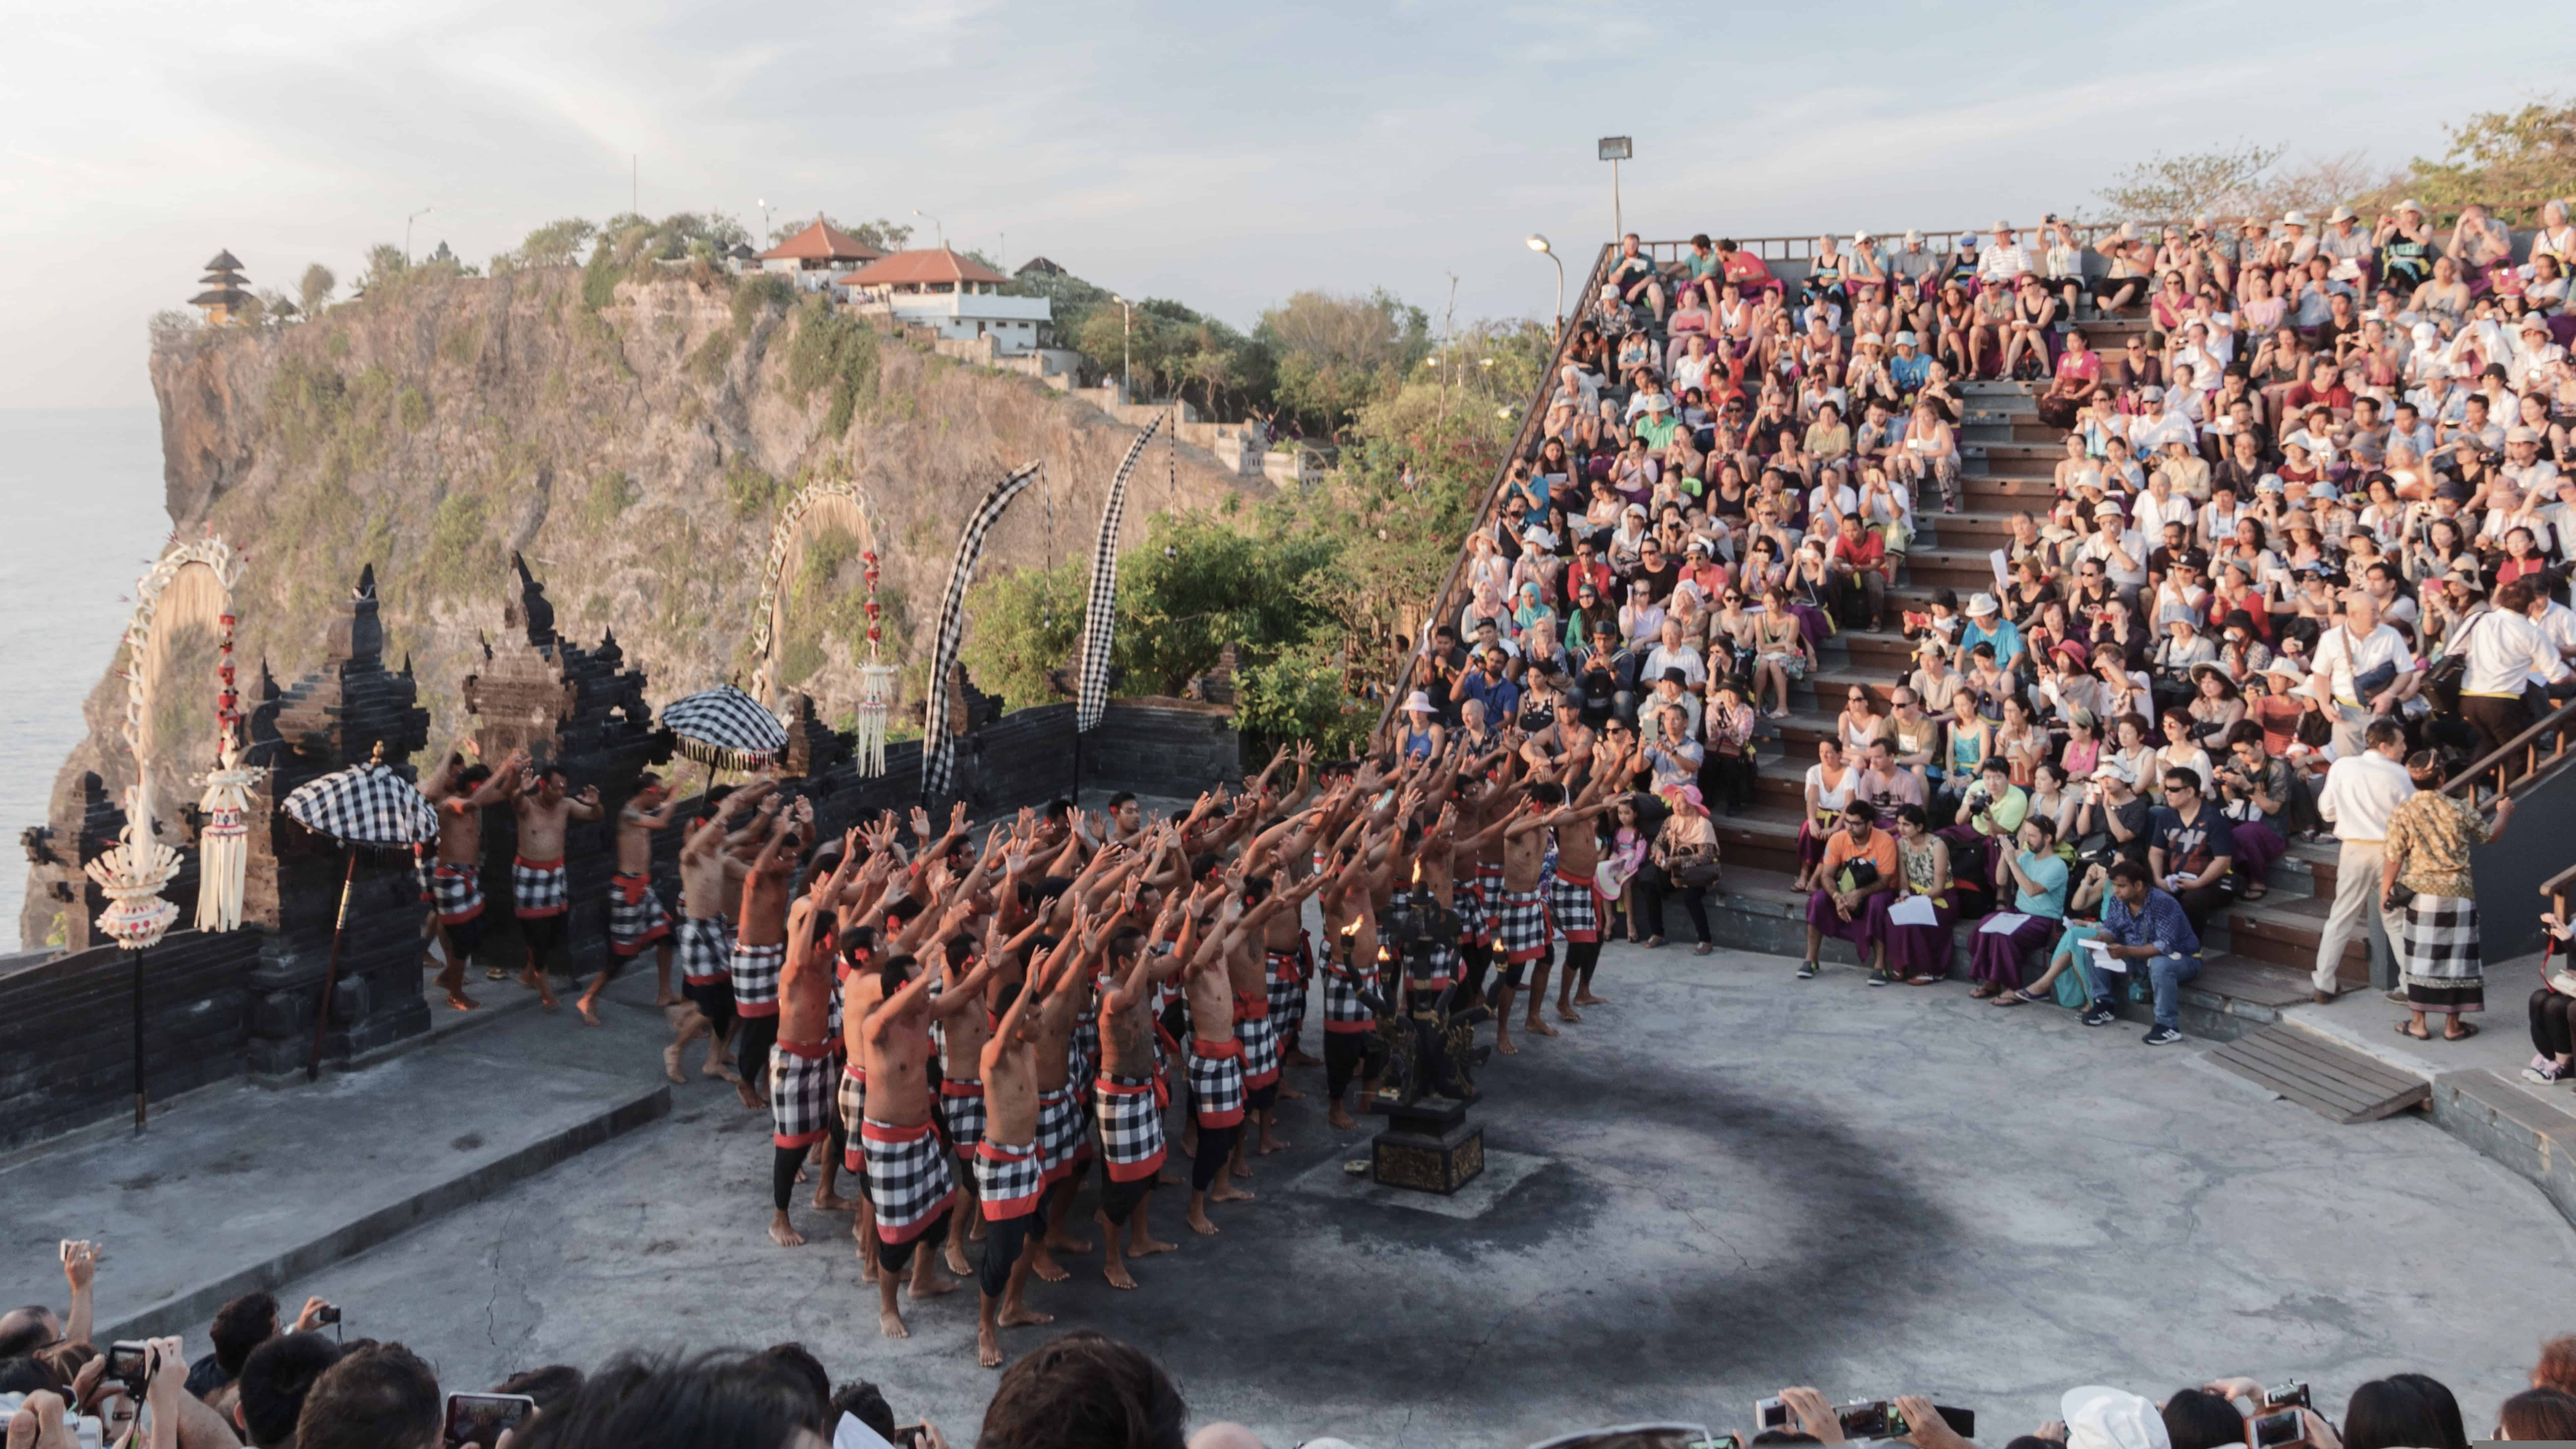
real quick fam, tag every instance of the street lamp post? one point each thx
(1615, 149)
(763, 204)
(1538, 243)
(407, 221)
(1126, 369)
(936, 229)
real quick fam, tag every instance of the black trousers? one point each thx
(1655, 888)
(1118, 1199)
(2199, 903)
(2551, 1034)
(1343, 1053)
(1728, 779)
(1216, 1145)
(1004, 1240)
(2496, 719)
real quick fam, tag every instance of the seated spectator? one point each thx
(275, 1379)
(377, 1396)
(1082, 1391)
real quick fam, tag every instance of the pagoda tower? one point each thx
(227, 291)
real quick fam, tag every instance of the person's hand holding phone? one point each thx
(1814, 1415)
(1924, 1426)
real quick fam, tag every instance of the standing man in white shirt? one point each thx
(2003, 260)
(2363, 670)
(2505, 648)
(2361, 791)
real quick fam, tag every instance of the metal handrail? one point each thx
(1524, 442)
(2558, 728)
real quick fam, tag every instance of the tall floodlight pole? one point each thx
(1615, 149)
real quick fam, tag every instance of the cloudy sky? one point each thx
(1224, 155)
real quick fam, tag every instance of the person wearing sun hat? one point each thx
(1420, 737)
(2405, 240)
(1986, 625)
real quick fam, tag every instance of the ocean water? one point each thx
(80, 521)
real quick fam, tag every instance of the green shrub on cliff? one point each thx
(834, 350)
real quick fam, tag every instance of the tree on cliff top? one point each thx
(313, 293)
(884, 235)
(556, 244)
(1335, 353)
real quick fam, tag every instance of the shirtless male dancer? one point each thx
(1520, 922)
(1010, 1178)
(1130, 1099)
(760, 947)
(909, 1180)
(635, 916)
(801, 1076)
(1247, 968)
(461, 791)
(712, 866)
(1215, 1068)
(539, 889)
(1574, 902)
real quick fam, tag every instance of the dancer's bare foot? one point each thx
(1023, 1316)
(890, 1324)
(783, 1233)
(750, 1098)
(1532, 1026)
(1060, 1241)
(1142, 1244)
(1271, 1144)
(1043, 1264)
(932, 1284)
(457, 999)
(720, 1069)
(1339, 1120)
(1298, 1058)
(832, 1202)
(1567, 1014)
(1118, 1275)
(588, 1006)
(1503, 1045)
(956, 1256)
(1288, 1093)
(1224, 1191)
(1586, 998)
(671, 1064)
(1239, 1170)
(666, 997)
(988, 1346)
(1199, 1224)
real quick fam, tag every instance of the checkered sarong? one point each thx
(1282, 975)
(635, 916)
(1488, 890)
(1131, 1127)
(2439, 943)
(755, 977)
(800, 1093)
(853, 1102)
(457, 891)
(909, 1180)
(961, 1109)
(1008, 1180)
(1471, 916)
(1062, 1140)
(1216, 1082)
(1084, 1052)
(538, 887)
(704, 951)
(1344, 1012)
(1259, 1037)
(1520, 926)
(1573, 907)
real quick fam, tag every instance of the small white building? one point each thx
(811, 257)
(958, 297)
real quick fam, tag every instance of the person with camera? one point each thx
(2256, 791)
(2111, 821)
(2037, 875)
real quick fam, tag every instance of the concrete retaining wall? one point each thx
(67, 1028)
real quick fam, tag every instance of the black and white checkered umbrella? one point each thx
(365, 805)
(725, 728)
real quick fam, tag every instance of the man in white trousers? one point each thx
(2361, 792)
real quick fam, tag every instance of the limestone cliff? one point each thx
(636, 440)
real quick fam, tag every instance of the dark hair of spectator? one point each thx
(2385, 1414)
(866, 1403)
(549, 1386)
(381, 1396)
(719, 1401)
(1082, 1391)
(2538, 1414)
(25, 1330)
(2195, 1419)
(25, 1375)
(795, 1361)
(275, 1378)
(2446, 1408)
(2130, 871)
(240, 1326)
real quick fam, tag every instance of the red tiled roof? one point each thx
(938, 264)
(821, 242)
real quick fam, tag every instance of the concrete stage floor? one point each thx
(1733, 1181)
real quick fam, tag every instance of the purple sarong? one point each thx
(1997, 957)
(1822, 916)
(1913, 950)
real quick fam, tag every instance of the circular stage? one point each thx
(1725, 1181)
